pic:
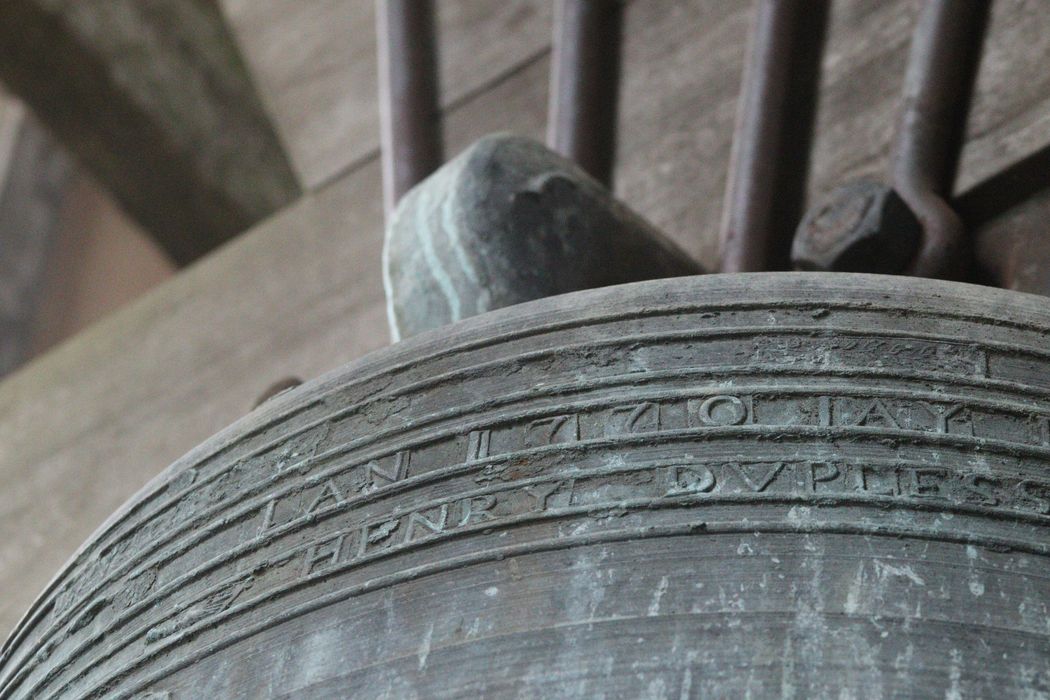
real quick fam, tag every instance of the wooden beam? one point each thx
(315, 65)
(99, 261)
(153, 97)
(35, 173)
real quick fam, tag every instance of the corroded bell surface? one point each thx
(788, 485)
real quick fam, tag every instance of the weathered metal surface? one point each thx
(278, 387)
(585, 78)
(777, 485)
(410, 117)
(942, 64)
(509, 221)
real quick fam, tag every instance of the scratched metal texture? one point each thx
(782, 485)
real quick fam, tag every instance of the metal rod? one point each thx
(410, 116)
(907, 226)
(581, 124)
(747, 216)
(941, 70)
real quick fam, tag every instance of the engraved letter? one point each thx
(322, 554)
(478, 444)
(638, 418)
(719, 410)
(398, 472)
(927, 482)
(420, 520)
(866, 482)
(1034, 496)
(877, 410)
(374, 534)
(476, 508)
(267, 514)
(941, 413)
(980, 368)
(824, 416)
(543, 494)
(819, 473)
(979, 488)
(553, 430)
(696, 478)
(760, 484)
(329, 492)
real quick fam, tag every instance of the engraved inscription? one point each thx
(766, 351)
(553, 430)
(633, 418)
(478, 445)
(599, 491)
(721, 410)
(717, 411)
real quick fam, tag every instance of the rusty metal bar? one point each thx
(747, 216)
(907, 225)
(410, 115)
(937, 86)
(585, 78)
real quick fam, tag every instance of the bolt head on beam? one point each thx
(863, 226)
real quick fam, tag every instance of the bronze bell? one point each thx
(744, 485)
(681, 484)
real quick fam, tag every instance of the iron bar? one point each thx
(747, 220)
(908, 225)
(410, 115)
(937, 86)
(584, 84)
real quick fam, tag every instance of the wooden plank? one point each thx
(1010, 115)
(1004, 197)
(1001, 185)
(68, 255)
(683, 63)
(681, 77)
(315, 65)
(99, 261)
(863, 72)
(153, 97)
(861, 83)
(682, 67)
(34, 178)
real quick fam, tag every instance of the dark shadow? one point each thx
(1005, 190)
